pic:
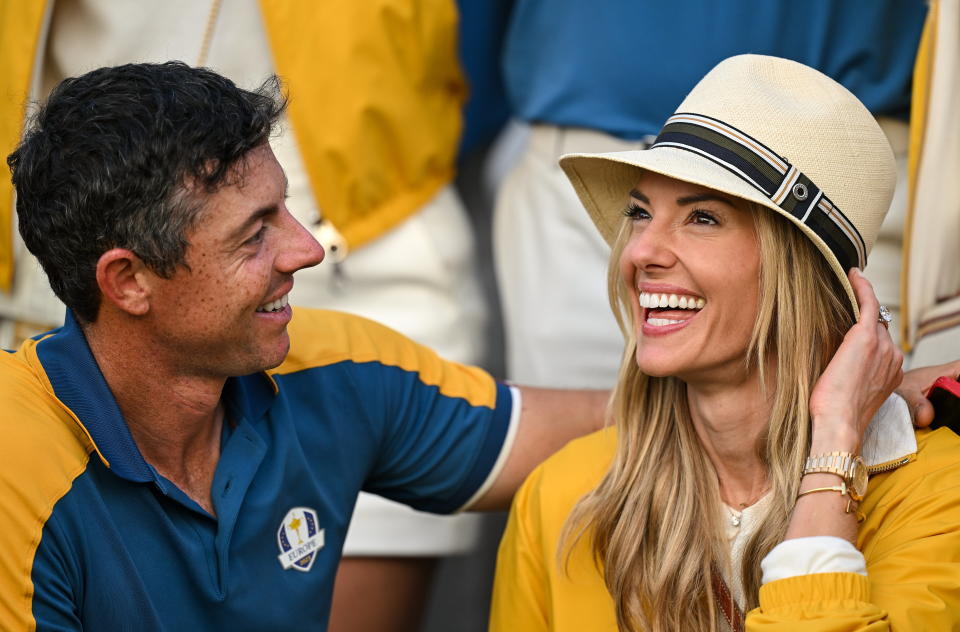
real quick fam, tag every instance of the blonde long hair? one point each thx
(653, 520)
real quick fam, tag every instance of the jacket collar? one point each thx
(890, 436)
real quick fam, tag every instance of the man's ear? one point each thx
(122, 277)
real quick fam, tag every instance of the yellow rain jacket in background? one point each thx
(352, 87)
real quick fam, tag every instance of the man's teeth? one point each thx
(274, 306)
(674, 301)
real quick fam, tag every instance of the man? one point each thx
(185, 452)
(374, 159)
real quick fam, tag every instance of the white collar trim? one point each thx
(890, 433)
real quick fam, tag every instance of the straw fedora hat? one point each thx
(771, 131)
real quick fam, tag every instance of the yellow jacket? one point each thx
(376, 102)
(910, 539)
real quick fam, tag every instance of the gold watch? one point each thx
(849, 467)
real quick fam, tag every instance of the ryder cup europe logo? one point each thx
(299, 539)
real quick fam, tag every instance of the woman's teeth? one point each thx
(673, 301)
(274, 306)
(660, 322)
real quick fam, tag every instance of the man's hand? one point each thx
(915, 385)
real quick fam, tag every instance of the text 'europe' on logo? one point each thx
(299, 538)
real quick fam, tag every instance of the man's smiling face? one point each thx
(226, 312)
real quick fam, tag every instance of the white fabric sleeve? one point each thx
(816, 554)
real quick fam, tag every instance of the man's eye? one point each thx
(703, 218)
(257, 238)
(635, 212)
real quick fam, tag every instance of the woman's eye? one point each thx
(635, 212)
(704, 218)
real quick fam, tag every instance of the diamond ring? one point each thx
(885, 317)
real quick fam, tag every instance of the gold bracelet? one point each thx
(842, 488)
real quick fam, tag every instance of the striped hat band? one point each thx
(770, 174)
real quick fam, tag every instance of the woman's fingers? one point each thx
(866, 367)
(889, 356)
(866, 297)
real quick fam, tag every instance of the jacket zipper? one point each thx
(889, 465)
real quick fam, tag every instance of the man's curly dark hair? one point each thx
(119, 158)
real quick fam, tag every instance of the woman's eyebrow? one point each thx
(640, 196)
(703, 197)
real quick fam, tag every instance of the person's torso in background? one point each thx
(622, 67)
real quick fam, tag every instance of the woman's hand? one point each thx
(861, 375)
(865, 370)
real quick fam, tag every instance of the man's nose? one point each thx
(300, 248)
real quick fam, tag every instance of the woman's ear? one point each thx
(122, 278)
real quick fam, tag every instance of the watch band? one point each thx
(839, 463)
(847, 466)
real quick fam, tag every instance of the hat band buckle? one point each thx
(769, 173)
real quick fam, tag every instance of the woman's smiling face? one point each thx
(691, 266)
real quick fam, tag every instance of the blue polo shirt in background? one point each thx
(94, 538)
(623, 66)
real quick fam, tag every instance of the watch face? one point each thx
(858, 479)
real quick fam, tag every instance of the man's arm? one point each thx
(549, 418)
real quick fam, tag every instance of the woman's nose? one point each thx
(650, 246)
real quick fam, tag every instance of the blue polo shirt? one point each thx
(623, 66)
(94, 538)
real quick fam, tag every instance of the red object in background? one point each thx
(945, 397)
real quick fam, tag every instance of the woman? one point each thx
(746, 411)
